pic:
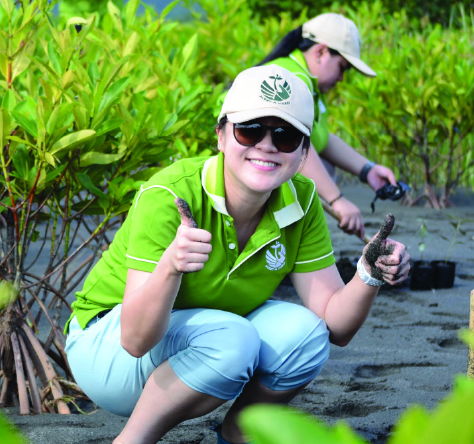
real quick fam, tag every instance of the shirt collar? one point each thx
(283, 203)
(298, 57)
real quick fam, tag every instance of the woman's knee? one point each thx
(293, 353)
(221, 357)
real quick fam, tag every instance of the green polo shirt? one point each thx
(292, 236)
(296, 64)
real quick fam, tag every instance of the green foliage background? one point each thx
(437, 11)
(149, 86)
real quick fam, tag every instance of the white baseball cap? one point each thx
(269, 91)
(338, 33)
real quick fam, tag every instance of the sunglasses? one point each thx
(286, 139)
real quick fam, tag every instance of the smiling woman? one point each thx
(177, 315)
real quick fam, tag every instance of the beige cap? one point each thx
(269, 90)
(338, 33)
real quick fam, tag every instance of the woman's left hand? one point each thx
(379, 175)
(395, 266)
(384, 258)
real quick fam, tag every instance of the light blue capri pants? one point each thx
(212, 351)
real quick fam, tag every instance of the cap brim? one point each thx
(244, 116)
(359, 65)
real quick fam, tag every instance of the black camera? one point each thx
(389, 191)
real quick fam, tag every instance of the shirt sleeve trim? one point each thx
(315, 260)
(141, 260)
(142, 190)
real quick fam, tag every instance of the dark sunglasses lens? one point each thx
(249, 134)
(286, 139)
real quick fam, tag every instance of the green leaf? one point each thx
(113, 9)
(190, 49)
(54, 173)
(61, 114)
(467, 336)
(274, 424)
(167, 9)
(48, 157)
(71, 140)
(114, 13)
(77, 21)
(112, 94)
(96, 158)
(54, 58)
(131, 10)
(8, 6)
(20, 64)
(25, 114)
(453, 419)
(21, 163)
(108, 126)
(81, 115)
(5, 123)
(9, 433)
(131, 44)
(9, 100)
(87, 183)
(410, 426)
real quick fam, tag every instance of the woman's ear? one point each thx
(318, 50)
(322, 50)
(314, 57)
(220, 138)
(304, 156)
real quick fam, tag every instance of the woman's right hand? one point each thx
(190, 249)
(350, 217)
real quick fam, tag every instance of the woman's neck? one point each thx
(247, 211)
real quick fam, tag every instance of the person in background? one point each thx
(320, 52)
(176, 318)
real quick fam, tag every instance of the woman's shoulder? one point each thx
(296, 64)
(182, 169)
(182, 178)
(305, 190)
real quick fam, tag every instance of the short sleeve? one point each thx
(315, 251)
(153, 225)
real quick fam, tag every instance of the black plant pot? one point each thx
(443, 272)
(346, 268)
(422, 276)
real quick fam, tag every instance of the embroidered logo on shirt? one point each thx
(275, 256)
(278, 93)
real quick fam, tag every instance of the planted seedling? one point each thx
(422, 233)
(422, 270)
(453, 238)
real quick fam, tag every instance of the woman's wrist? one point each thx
(365, 171)
(365, 277)
(330, 202)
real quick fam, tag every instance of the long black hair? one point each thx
(291, 41)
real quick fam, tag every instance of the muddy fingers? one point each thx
(377, 246)
(185, 213)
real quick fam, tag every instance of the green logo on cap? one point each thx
(278, 93)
